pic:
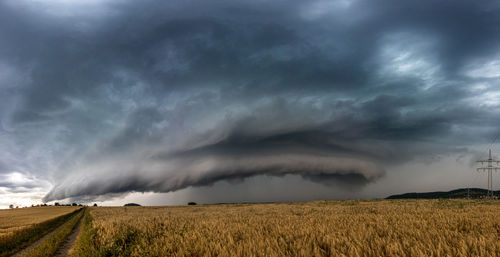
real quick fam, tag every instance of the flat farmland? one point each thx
(323, 228)
(15, 219)
(25, 229)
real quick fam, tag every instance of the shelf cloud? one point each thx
(110, 97)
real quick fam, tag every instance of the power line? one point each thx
(489, 168)
(492, 165)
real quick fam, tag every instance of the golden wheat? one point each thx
(50, 245)
(12, 220)
(324, 228)
(20, 235)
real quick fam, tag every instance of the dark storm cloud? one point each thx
(166, 176)
(117, 96)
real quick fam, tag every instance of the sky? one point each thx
(165, 102)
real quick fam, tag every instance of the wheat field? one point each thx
(23, 227)
(323, 228)
(15, 219)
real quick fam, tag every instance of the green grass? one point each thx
(85, 243)
(49, 246)
(12, 243)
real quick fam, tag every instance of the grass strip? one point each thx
(84, 245)
(14, 242)
(49, 246)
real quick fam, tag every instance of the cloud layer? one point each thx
(109, 97)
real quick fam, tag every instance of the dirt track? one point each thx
(63, 249)
(35, 244)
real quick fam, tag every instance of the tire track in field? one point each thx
(39, 241)
(36, 243)
(66, 246)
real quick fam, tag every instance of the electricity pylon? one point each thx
(490, 168)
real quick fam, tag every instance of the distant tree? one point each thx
(11, 206)
(95, 204)
(74, 204)
(44, 204)
(191, 203)
(132, 204)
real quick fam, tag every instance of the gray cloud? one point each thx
(172, 175)
(105, 98)
(15, 182)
